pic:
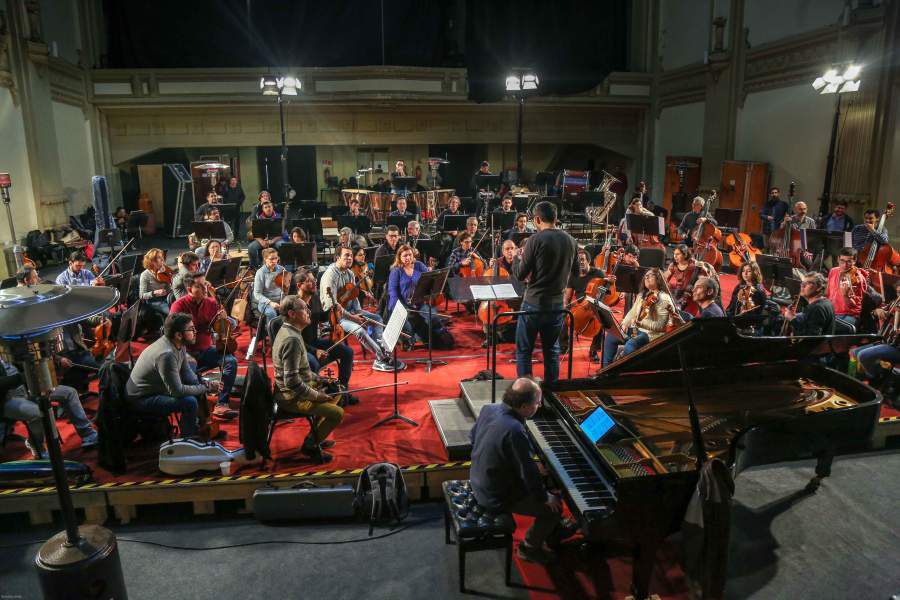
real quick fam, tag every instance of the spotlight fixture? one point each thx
(522, 81)
(274, 85)
(832, 81)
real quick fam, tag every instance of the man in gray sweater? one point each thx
(162, 382)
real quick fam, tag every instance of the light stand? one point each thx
(285, 186)
(281, 86)
(824, 207)
(18, 251)
(80, 562)
(521, 83)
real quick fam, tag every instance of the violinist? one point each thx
(773, 212)
(155, 282)
(76, 275)
(211, 214)
(391, 242)
(635, 208)
(188, 262)
(748, 297)
(704, 294)
(212, 252)
(818, 316)
(405, 274)
(205, 311)
(647, 320)
(576, 288)
(800, 219)
(872, 357)
(321, 350)
(680, 276)
(270, 284)
(867, 232)
(366, 326)
(692, 220)
(254, 250)
(847, 285)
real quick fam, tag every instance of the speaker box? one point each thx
(273, 504)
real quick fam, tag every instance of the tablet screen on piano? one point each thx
(597, 425)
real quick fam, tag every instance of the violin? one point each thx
(742, 249)
(283, 280)
(648, 303)
(364, 278)
(103, 343)
(226, 334)
(745, 300)
(334, 318)
(165, 275)
(682, 280)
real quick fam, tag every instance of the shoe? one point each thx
(595, 358)
(225, 412)
(327, 444)
(316, 454)
(90, 440)
(535, 554)
(566, 529)
(350, 399)
(387, 367)
(35, 453)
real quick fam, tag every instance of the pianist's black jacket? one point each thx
(502, 471)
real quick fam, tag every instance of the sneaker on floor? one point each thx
(566, 529)
(223, 411)
(90, 440)
(35, 453)
(535, 554)
(316, 454)
(351, 400)
(387, 366)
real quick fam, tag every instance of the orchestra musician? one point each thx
(506, 205)
(75, 274)
(16, 405)
(401, 209)
(295, 382)
(188, 262)
(254, 250)
(211, 215)
(545, 263)
(628, 258)
(204, 311)
(643, 192)
(773, 212)
(483, 169)
(321, 350)
(452, 210)
(748, 298)
(212, 199)
(414, 233)
(391, 242)
(575, 289)
(704, 293)
(399, 171)
(353, 208)
(504, 476)
(817, 317)
(405, 274)
(837, 221)
(212, 252)
(234, 194)
(506, 258)
(155, 282)
(366, 326)
(692, 220)
(461, 256)
(266, 291)
(346, 237)
(162, 381)
(800, 220)
(635, 208)
(867, 232)
(647, 319)
(873, 357)
(847, 285)
(680, 275)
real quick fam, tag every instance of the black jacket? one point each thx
(112, 417)
(256, 413)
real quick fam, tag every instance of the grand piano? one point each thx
(623, 445)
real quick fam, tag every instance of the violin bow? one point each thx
(113, 260)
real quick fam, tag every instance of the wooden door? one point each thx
(743, 187)
(681, 182)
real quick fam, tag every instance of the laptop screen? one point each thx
(597, 425)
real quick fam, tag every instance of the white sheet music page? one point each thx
(394, 326)
(483, 292)
(504, 291)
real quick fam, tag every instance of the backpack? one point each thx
(381, 494)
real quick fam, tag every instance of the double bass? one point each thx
(706, 238)
(883, 257)
(786, 241)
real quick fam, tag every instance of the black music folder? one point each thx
(266, 228)
(210, 230)
(454, 222)
(297, 254)
(360, 225)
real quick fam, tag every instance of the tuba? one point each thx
(597, 214)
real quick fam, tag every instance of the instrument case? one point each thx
(272, 504)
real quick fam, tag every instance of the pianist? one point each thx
(504, 478)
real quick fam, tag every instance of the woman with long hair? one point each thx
(155, 282)
(405, 274)
(647, 320)
(748, 298)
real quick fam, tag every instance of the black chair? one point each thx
(840, 327)
(283, 416)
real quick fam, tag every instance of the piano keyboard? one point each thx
(562, 455)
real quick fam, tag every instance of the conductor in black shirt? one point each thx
(504, 477)
(546, 262)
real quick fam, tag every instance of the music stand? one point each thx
(428, 287)
(644, 224)
(628, 278)
(209, 230)
(137, 219)
(519, 237)
(370, 253)
(775, 269)
(501, 221)
(607, 319)
(311, 226)
(487, 182)
(265, 228)
(291, 253)
(835, 241)
(728, 218)
(454, 222)
(815, 242)
(500, 288)
(888, 286)
(359, 225)
(520, 203)
(313, 210)
(228, 212)
(215, 274)
(430, 248)
(382, 269)
(400, 221)
(389, 338)
(483, 247)
(120, 281)
(403, 183)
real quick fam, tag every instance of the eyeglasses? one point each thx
(845, 261)
(189, 329)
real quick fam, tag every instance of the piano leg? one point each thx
(642, 567)
(823, 470)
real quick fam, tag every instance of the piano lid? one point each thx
(717, 343)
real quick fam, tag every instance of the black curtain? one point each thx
(254, 33)
(301, 171)
(572, 44)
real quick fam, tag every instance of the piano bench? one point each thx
(473, 528)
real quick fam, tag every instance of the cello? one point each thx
(883, 257)
(706, 238)
(586, 322)
(742, 249)
(607, 261)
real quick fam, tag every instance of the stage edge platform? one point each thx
(423, 483)
(454, 418)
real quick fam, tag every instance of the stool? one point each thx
(474, 528)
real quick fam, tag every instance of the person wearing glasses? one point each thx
(162, 381)
(391, 242)
(847, 286)
(817, 317)
(254, 250)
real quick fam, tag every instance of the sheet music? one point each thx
(504, 291)
(483, 292)
(394, 326)
(662, 225)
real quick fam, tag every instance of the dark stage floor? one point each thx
(839, 543)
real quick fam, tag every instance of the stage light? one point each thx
(850, 86)
(513, 84)
(269, 85)
(529, 81)
(832, 81)
(819, 83)
(522, 81)
(852, 72)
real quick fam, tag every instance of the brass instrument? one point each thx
(597, 214)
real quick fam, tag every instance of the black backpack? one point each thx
(381, 494)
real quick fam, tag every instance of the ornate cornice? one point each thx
(68, 83)
(681, 86)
